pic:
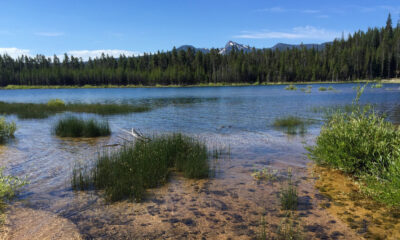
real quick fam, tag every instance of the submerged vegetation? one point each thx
(363, 144)
(44, 110)
(130, 170)
(292, 125)
(77, 127)
(7, 129)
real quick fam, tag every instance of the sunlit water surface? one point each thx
(238, 119)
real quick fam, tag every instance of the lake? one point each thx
(237, 119)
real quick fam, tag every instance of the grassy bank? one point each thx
(363, 144)
(129, 171)
(7, 129)
(13, 87)
(76, 127)
(44, 110)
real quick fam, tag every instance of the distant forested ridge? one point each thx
(374, 54)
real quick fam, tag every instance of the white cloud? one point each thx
(281, 10)
(49, 34)
(307, 32)
(85, 54)
(14, 52)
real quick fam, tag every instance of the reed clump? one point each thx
(76, 127)
(363, 144)
(127, 172)
(291, 125)
(7, 129)
(54, 106)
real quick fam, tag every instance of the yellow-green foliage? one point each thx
(7, 129)
(56, 103)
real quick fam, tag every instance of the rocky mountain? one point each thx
(229, 46)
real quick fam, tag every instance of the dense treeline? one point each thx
(374, 54)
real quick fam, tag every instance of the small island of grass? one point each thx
(127, 172)
(77, 127)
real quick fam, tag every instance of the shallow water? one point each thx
(228, 205)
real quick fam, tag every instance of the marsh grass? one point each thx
(363, 144)
(292, 125)
(71, 126)
(291, 87)
(127, 172)
(44, 110)
(377, 85)
(288, 196)
(322, 89)
(7, 129)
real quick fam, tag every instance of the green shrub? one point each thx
(129, 171)
(363, 144)
(7, 129)
(76, 127)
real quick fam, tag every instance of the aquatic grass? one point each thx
(322, 89)
(71, 126)
(265, 174)
(55, 103)
(126, 173)
(7, 129)
(44, 110)
(330, 88)
(292, 125)
(288, 196)
(291, 87)
(377, 85)
(363, 144)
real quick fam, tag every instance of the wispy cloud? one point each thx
(85, 54)
(14, 52)
(282, 10)
(307, 32)
(49, 34)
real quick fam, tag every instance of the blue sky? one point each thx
(87, 27)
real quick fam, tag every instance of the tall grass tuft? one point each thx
(7, 129)
(291, 125)
(76, 127)
(9, 186)
(288, 194)
(322, 89)
(129, 171)
(363, 144)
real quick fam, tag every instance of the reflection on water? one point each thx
(229, 205)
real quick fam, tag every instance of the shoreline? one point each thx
(19, 87)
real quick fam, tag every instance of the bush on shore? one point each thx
(363, 144)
